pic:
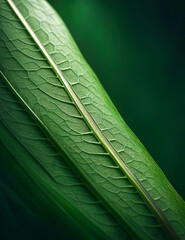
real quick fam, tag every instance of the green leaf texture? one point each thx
(64, 132)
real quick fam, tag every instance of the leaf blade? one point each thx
(92, 124)
(90, 179)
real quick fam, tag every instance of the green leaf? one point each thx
(66, 135)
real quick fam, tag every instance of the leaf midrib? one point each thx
(95, 129)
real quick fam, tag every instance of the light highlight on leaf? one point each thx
(54, 84)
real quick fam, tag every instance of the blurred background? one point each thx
(137, 50)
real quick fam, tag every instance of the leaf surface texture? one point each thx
(70, 128)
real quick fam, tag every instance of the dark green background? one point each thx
(137, 50)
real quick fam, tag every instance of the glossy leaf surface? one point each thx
(80, 150)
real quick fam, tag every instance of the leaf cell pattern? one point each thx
(34, 80)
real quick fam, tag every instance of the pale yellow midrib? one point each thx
(96, 130)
